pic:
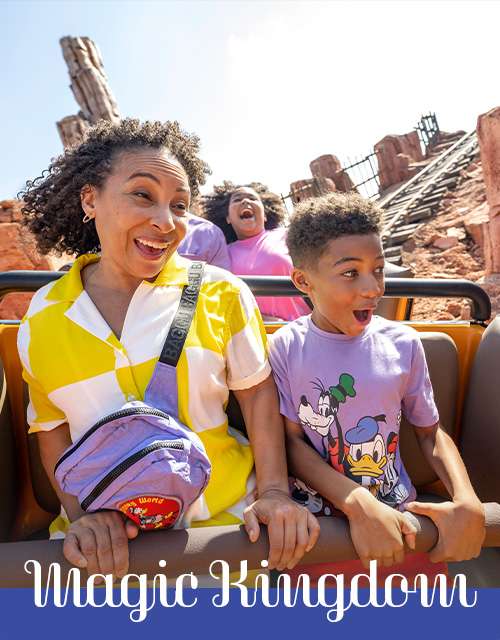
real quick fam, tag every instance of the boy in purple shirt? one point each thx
(344, 376)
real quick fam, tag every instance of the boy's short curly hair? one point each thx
(316, 221)
(52, 205)
(216, 206)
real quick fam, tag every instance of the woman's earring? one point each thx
(87, 218)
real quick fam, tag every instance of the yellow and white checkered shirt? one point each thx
(78, 371)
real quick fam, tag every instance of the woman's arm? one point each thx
(98, 541)
(460, 522)
(52, 445)
(292, 529)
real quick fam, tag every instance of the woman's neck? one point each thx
(110, 295)
(101, 275)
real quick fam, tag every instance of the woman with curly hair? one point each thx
(90, 340)
(252, 219)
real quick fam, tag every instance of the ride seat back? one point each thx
(8, 466)
(480, 433)
(35, 502)
(43, 491)
(442, 361)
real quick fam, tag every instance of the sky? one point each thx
(267, 86)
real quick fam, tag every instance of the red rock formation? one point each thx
(17, 252)
(71, 130)
(488, 135)
(302, 189)
(474, 225)
(90, 88)
(328, 166)
(395, 157)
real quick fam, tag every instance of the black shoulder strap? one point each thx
(176, 337)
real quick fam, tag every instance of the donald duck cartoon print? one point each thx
(363, 452)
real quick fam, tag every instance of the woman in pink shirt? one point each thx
(252, 218)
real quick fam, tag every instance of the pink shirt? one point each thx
(267, 255)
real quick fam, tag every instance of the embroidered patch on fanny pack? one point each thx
(152, 512)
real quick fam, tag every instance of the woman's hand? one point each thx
(99, 542)
(461, 522)
(292, 528)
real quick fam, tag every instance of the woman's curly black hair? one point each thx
(52, 205)
(216, 206)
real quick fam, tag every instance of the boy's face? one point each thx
(346, 284)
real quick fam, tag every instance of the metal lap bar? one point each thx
(282, 286)
(193, 550)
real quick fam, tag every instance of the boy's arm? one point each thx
(460, 523)
(376, 529)
(292, 528)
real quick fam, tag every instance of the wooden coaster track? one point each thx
(417, 200)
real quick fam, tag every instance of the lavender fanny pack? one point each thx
(141, 460)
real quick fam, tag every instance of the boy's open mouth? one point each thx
(363, 315)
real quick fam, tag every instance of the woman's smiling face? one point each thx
(246, 213)
(140, 214)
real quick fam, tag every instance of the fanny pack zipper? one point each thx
(123, 466)
(112, 416)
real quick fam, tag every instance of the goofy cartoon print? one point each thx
(321, 420)
(334, 450)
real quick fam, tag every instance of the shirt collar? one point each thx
(173, 273)
(70, 286)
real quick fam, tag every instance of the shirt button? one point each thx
(130, 397)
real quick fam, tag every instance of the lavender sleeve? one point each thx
(220, 256)
(204, 241)
(277, 352)
(418, 402)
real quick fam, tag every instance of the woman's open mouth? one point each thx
(151, 249)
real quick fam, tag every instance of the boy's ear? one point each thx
(301, 280)
(87, 195)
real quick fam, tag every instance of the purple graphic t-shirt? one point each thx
(348, 394)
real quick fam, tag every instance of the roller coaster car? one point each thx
(464, 366)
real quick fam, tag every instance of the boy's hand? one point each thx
(292, 528)
(377, 530)
(460, 526)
